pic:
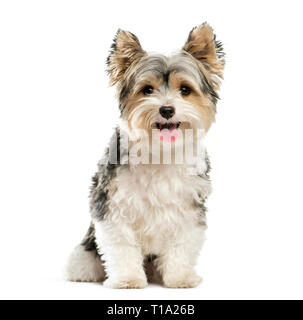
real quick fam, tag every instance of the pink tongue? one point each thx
(168, 135)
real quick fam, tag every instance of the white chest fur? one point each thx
(156, 201)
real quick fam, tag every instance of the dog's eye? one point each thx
(147, 90)
(185, 91)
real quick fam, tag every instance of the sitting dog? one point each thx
(147, 200)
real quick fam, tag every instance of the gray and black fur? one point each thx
(126, 78)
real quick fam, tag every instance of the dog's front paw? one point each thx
(126, 283)
(190, 280)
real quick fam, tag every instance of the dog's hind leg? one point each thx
(84, 263)
(152, 273)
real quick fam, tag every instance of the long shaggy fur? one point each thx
(148, 220)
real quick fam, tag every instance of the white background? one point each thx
(57, 113)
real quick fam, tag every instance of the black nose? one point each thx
(167, 112)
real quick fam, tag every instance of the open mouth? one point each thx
(168, 131)
(168, 126)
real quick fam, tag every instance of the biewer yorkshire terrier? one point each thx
(147, 200)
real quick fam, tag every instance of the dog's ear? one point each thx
(125, 50)
(203, 46)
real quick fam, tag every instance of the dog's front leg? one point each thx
(177, 262)
(122, 256)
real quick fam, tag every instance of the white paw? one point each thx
(190, 280)
(127, 283)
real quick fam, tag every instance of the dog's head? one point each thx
(167, 93)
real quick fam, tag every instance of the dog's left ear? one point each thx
(203, 46)
(125, 50)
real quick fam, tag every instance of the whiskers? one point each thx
(144, 115)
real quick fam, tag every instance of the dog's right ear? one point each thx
(125, 50)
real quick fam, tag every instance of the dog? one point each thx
(148, 213)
